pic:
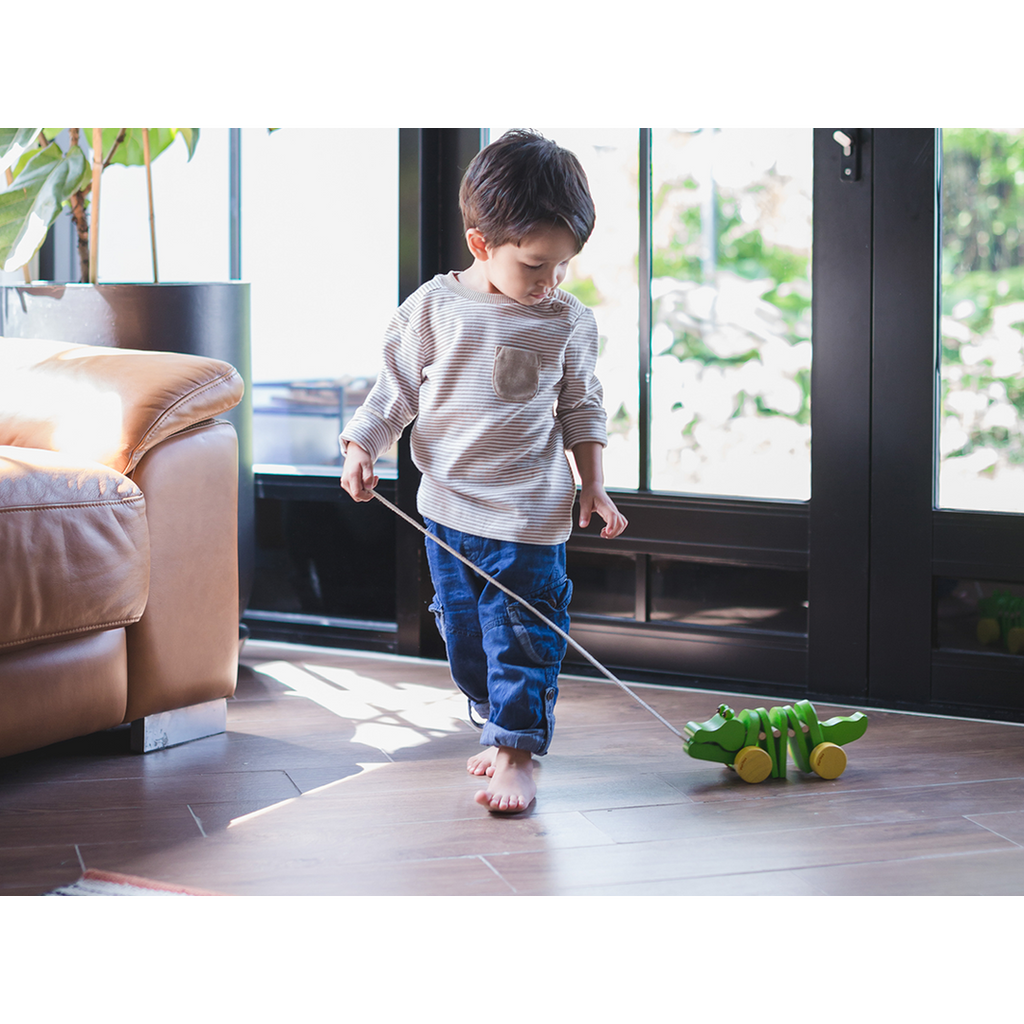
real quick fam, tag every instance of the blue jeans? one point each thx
(504, 659)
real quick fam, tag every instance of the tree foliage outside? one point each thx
(981, 439)
(731, 293)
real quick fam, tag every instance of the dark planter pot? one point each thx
(197, 319)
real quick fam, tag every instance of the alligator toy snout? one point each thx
(755, 742)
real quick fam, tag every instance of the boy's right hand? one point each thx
(357, 476)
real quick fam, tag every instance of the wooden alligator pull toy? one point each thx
(754, 742)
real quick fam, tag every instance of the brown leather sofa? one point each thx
(118, 543)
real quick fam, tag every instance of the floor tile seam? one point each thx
(504, 880)
(147, 805)
(763, 832)
(197, 820)
(794, 869)
(68, 782)
(719, 836)
(246, 773)
(42, 847)
(834, 793)
(471, 817)
(988, 828)
(377, 859)
(888, 861)
(764, 872)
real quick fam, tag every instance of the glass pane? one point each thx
(731, 296)
(323, 287)
(740, 597)
(981, 438)
(602, 584)
(604, 276)
(325, 559)
(979, 615)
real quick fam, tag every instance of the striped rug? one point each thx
(110, 883)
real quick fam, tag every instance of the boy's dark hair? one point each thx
(521, 182)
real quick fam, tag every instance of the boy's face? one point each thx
(528, 272)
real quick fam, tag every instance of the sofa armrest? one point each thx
(184, 649)
(108, 405)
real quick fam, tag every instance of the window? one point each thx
(320, 249)
(981, 438)
(731, 299)
(722, 251)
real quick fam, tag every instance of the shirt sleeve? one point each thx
(580, 407)
(393, 401)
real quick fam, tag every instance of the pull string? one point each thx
(526, 604)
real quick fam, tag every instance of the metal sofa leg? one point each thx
(169, 728)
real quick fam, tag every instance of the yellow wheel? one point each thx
(1015, 640)
(753, 764)
(828, 760)
(988, 631)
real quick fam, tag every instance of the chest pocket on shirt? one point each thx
(516, 373)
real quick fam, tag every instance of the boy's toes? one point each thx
(502, 803)
(482, 763)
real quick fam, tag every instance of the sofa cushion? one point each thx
(75, 547)
(108, 405)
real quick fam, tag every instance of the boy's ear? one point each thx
(477, 244)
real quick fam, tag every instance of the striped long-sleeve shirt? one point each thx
(499, 392)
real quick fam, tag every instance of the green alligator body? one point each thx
(734, 739)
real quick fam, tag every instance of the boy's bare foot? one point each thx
(482, 763)
(511, 788)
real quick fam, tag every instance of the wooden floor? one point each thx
(343, 774)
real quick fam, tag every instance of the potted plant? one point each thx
(41, 177)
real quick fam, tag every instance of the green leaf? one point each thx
(130, 152)
(191, 137)
(14, 142)
(29, 206)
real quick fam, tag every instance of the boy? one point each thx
(496, 364)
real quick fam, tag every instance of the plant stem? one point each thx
(149, 188)
(94, 219)
(113, 149)
(81, 224)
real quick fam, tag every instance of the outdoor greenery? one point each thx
(982, 327)
(731, 302)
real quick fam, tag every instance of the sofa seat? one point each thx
(75, 546)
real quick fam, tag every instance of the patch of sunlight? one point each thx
(263, 810)
(367, 767)
(84, 421)
(373, 690)
(97, 436)
(339, 700)
(31, 238)
(388, 717)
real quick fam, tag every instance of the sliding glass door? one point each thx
(811, 354)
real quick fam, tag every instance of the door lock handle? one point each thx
(849, 139)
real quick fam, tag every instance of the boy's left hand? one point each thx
(595, 499)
